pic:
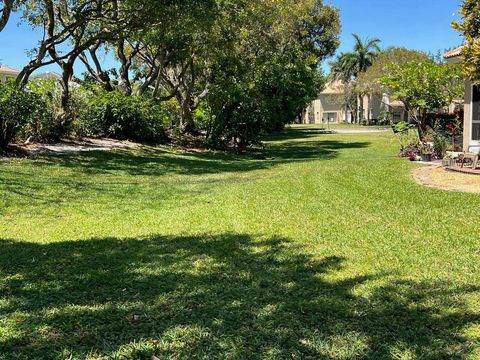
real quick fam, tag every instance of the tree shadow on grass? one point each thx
(226, 296)
(156, 162)
(119, 168)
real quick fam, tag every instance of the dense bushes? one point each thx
(112, 114)
(35, 113)
(18, 109)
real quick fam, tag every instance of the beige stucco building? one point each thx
(471, 121)
(7, 73)
(329, 107)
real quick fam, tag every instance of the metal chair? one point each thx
(474, 156)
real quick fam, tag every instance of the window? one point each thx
(329, 117)
(476, 113)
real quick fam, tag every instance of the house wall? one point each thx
(326, 106)
(377, 107)
(373, 107)
(4, 77)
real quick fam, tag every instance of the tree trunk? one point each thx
(125, 67)
(5, 15)
(67, 117)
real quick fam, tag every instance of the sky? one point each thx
(414, 24)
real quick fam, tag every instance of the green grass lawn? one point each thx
(320, 247)
(339, 126)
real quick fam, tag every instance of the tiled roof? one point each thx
(4, 69)
(454, 52)
(334, 87)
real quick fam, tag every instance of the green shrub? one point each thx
(440, 144)
(112, 114)
(45, 125)
(18, 107)
(201, 116)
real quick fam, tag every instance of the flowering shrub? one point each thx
(411, 151)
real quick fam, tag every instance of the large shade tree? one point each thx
(423, 87)
(72, 27)
(236, 60)
(248, 66)
(369, 81)
(469, 26)
(266, 76)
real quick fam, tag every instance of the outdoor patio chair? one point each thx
(472, 155)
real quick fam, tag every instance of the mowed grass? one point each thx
(319, 247)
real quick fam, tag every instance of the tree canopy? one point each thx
(369, 81)
(350, 65)
(423, 87)
(243, 67)
(470, 29)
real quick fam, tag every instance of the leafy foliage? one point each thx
(18, 108)
(249, 72)
(469, 27)
(423, 87)
(113, 114)
(369, 81)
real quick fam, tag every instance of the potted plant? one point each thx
(426, 152)
(448, 159)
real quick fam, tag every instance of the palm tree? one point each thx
(349, 65)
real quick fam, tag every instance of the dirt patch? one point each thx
(68, 147)
(439, 178)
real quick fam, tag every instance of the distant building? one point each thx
(329, 107)
(8, 73)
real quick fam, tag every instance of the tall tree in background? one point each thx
(348, 66)
(470, 29)
(368, 82)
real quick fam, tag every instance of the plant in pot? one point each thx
(440, 144)
(426, 152)
(448, 159)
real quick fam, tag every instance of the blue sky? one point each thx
(415, 24)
